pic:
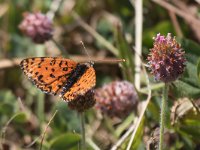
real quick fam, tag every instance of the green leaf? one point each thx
(7, 96)
(65, 119)
(189, 84)
(153, 111)
(190, 46)
(191, 127)
(125, 52)
(191, 49)
(5, 109)
(190, 75)
(198, 69)
(20, 117)
(124, 125)
(186, 117)
(137, 139)
(65, 141)
(138, 136)
(163, 27)
(8, 105)
(184, 89)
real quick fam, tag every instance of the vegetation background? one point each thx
(107, 28)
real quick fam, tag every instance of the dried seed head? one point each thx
(166, 59)
(117, 98)
(37, 26)
(83, 102)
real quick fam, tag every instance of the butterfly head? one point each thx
(89, 64)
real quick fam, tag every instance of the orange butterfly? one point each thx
(55, 75)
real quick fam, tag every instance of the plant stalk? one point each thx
(40, 106)
(162, 116)
(82, 117)
(40, 51)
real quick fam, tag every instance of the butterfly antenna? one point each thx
(90, 60)
(104, 60)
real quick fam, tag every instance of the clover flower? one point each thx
(37, 26)
(117, 98)
(166, 59)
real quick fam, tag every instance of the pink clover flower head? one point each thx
(166, 59)
(37, 26)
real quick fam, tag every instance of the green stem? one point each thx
(82, 130)
(40, 51)
(40, 106)
(162, 116)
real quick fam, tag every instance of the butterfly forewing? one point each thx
(86, 82)
(48, 73)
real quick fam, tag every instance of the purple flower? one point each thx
(166, 59)
(37, 26)
(116, 99)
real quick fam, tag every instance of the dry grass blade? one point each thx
(176, 24)
(179, 12)
(3, 130)
(138, 39)
(53, 8)
(43, 135)
(143, 111)
(123, 138)
(7, 63)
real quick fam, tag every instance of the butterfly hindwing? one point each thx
(86, 82)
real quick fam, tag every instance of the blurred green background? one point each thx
(25, 111)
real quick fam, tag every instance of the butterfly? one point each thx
(56, 75)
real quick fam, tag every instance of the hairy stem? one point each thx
(162, 116)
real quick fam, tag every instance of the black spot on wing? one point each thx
(40, 77)
(65, 69)
(52, 76)
(60, 64)
(53, 62)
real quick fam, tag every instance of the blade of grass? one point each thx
(124, 137)
(43, 135)
(125, 53)
(3, 130)
(142, 112)
(137, 4)
(92, 144)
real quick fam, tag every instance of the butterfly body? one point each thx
(54, 75)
